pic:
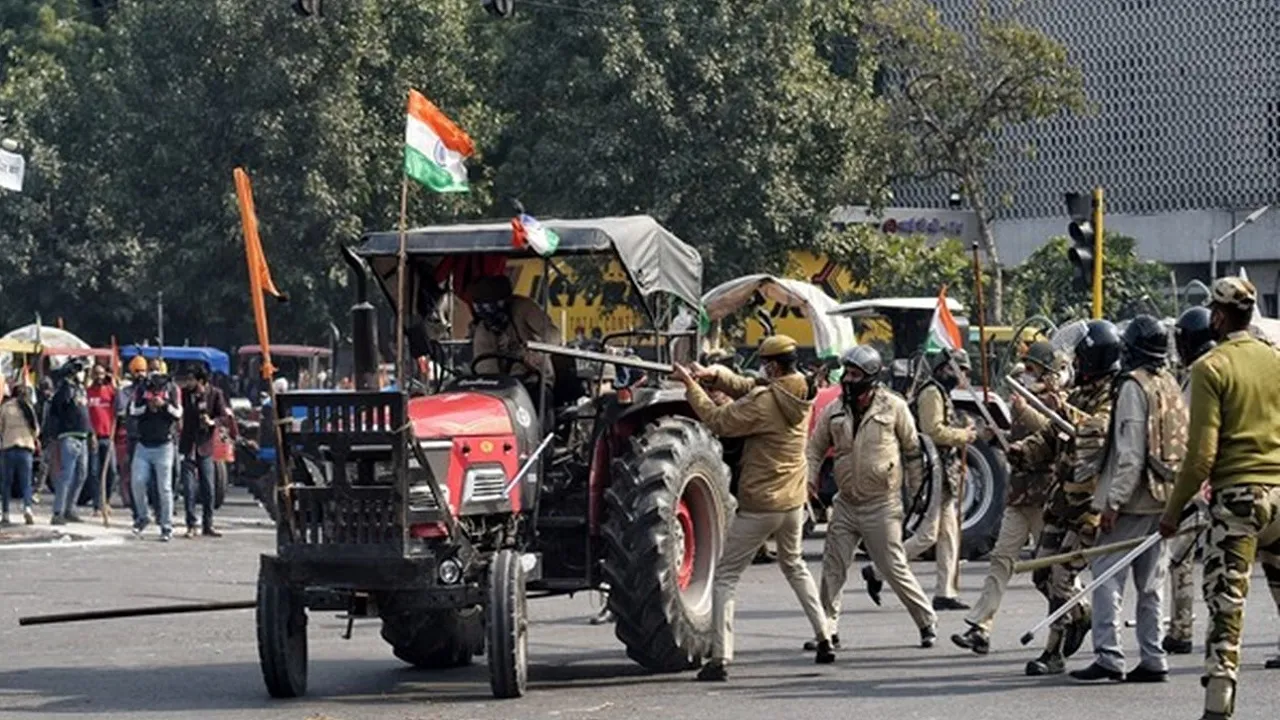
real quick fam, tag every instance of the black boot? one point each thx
(1096, 672)
(713, 671)
(824, 654)
(812, 645)
(943, 604)
(975, 639)
(1174, 646)
(874, 584)
(1049, 663)
(1273, 663)
(928, 636)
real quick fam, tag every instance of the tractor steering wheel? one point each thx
(506, 362)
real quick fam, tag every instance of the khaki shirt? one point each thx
(528, 324)
(773, 420)
(869, 459)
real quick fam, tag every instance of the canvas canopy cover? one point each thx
(217, 360)
(44, 336)
(832, 335)
(656, 260)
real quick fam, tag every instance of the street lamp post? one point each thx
(1213, 244)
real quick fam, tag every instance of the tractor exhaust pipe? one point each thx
(364, 326)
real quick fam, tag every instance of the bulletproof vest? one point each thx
(1166, 429)
(1088, 449)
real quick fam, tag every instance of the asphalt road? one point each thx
(205, 666)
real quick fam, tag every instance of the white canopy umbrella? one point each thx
(831, 335)
(46, 336)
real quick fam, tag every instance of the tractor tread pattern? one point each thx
(640, 506)
(282, 640)
(508, 673)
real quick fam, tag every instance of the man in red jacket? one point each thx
(102, 399)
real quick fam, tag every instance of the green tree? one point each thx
(953, 92)
(739, 125)
(900, 266)
(136, 137)
(1131, 285)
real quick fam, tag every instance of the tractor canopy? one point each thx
(832, 335)
(655, 260)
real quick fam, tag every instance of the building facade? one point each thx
(1183, 134)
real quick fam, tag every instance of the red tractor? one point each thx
(441, 509)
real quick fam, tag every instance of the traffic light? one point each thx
(499, 8)
(307, 8)
(1081, 233)
(1087, 234)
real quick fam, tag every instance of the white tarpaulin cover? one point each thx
(47, 336)
(831, 335)
(12, 168)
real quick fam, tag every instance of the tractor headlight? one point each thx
(450, 571)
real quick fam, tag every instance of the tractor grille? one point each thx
(485, 484)
(360, 519)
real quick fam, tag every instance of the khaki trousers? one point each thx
(747, 531)
(1018, 524)
(879, 528)
(940, 527)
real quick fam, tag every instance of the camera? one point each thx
(155, 386)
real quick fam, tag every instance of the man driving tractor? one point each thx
(504, 322)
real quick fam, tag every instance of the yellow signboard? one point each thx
(599, 312)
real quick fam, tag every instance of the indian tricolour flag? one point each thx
(944, 334)
(434, 147)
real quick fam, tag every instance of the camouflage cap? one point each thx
(1234, 292)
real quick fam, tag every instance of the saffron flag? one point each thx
(526, 231)
(434, 147)
(944, 334)
(260, 281)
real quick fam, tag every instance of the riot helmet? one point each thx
(1097, 354)
(1146, 343)
(1194, 334)
(867, 361)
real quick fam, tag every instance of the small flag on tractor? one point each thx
(434, 147)
(527, 232)
(944, 333)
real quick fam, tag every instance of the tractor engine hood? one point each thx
(475, 443)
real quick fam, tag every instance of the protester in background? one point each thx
(102, 401)
(19, 429)
(47, 451)
(159, 369)
(124, 399)
(158, 410)
(69, 415)
(204, 409)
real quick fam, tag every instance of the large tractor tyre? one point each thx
(435, 641)
(507, 626)
(667, 510)
(982, 507)
(282, 639)
(263, 489)
(219, 484)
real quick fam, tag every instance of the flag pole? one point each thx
(400, 282)
(982, 324)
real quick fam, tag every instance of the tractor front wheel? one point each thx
(507, 626)
(667, 510)
(282, 639)
(434, 640)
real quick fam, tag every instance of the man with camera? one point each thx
(204, 409)
(68, 417)
(156, 408)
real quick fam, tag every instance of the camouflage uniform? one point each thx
(1070, 522)
(1234, 443)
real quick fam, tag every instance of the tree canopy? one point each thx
(739, 125)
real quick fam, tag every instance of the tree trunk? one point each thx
(987, 238)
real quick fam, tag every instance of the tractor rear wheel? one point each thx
(282, 639)
(435, 640)
(667, 510)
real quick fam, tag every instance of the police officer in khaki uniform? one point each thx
(773, 420)
(940, 526)
(1028, 491)
(504, 323)
(1145, 446)
(876, 443)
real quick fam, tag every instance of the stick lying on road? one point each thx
(136, 612)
